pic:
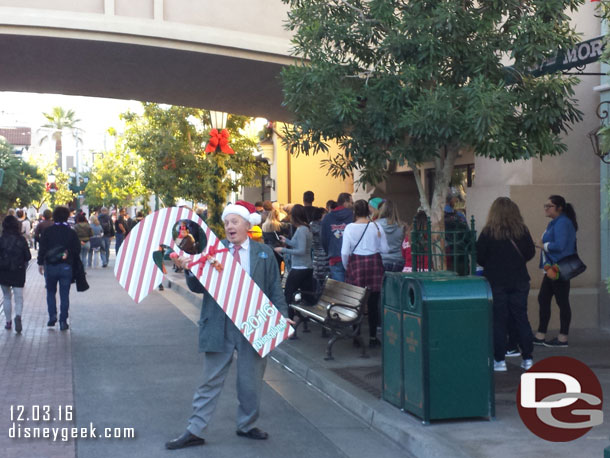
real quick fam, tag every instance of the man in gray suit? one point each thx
(219, 337)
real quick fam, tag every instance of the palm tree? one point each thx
(60, 120)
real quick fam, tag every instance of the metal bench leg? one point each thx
(329, 348)
(360, 340)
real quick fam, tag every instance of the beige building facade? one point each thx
(574, 175)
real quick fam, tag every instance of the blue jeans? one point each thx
(105, 250)
(84, 252)
(337, 272)
(118, 241)
(53, 274)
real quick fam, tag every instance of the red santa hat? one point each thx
(244, 209)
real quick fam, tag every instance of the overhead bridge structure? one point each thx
(216, 54)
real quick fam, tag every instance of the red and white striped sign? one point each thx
(232, 288)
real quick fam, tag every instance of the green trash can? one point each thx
(607, 452)
(447, 348)
(392, 350)
(437, 345)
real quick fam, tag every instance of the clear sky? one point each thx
(21, 109)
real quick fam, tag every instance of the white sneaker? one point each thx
(527, 364)
(500, 366)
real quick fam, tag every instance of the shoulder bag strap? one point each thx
(517, 248)
(360, 239)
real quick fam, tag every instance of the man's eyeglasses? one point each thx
(547, 206)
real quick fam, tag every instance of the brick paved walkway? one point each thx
(35, 371)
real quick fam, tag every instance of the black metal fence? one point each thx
(452, 249)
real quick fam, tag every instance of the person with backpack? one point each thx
(108, 233)
(14, 257)
(331, 233)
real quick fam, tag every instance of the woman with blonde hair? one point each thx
(272, 223)
(394, 229)
(273, 229)
(95, 242)
(503, 250)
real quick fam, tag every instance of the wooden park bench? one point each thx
(339, 309)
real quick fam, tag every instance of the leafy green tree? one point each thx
(414, 82)
(60, 121)
(171, 140)
(22, 182)
(61, 195)
(115, 179)
(604, 132)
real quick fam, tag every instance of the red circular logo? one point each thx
(560, 399)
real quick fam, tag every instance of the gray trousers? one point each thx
(8, 303)
(250, 371)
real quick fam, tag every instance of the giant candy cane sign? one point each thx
(232, 288)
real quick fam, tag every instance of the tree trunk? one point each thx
(58, 153)
(444, 169)
(444, 164)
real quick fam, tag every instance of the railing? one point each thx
(452, 249)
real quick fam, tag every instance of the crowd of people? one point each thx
(67, 243)
(356, 242)
(352, 242)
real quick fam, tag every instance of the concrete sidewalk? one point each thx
(355, 383)
(133, 368)
(35, 371)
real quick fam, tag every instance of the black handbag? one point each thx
(570, 267)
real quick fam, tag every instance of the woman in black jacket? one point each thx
(14, 257)
(503, 249)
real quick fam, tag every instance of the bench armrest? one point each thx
(303, 297)
(334, 315)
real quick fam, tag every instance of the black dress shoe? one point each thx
(52, 322)
(254, 433)
(186, 440)
(63, 326)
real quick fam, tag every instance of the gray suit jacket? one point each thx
(263, 270)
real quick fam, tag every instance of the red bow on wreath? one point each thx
(219, 139)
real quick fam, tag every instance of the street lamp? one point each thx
(219, 135)
(218, 119)
(602, 114)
